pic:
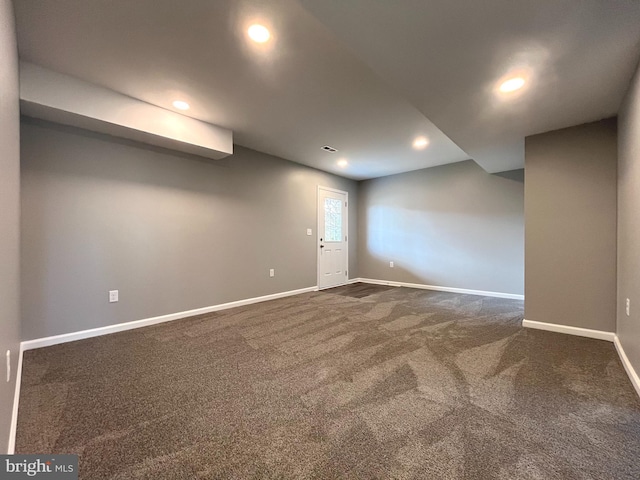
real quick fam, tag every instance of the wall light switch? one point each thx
(628, 306)
(309, 232)
(272, 272)
(391, 264)
(113, 296)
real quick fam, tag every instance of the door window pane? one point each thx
(332, 220)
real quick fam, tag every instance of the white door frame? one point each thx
(319, 228)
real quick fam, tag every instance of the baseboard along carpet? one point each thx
(358, 290)
(397, 383)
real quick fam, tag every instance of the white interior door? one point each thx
(332, 237)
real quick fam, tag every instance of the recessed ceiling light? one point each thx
(180, 105)
(420, 143)
(342, 163)
(511, 85)
(259, 33)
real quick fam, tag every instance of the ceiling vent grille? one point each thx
(330, 149)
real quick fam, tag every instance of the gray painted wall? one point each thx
(9, 213)
(570, 215)
(171, 232)
(628, 224)
(452, 226)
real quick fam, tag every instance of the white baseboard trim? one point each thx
(95, 332)
(348, 282)
(16, 400)
(598, 335)
(483, 293)
(633, 376)
(69, 337)
(581, 332)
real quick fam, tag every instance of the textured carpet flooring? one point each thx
(400, 384)
(358, 290)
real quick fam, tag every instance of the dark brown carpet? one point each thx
(398, 384)
(358, 290)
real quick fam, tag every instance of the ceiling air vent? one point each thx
(329, 149)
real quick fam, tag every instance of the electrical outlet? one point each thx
(8, 365)
(309, 232)
(113, 296)
(272, 272)
(391, 264)
(628, 306)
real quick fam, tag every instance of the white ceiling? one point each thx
(363, 76)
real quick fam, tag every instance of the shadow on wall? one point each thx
(436, 248)
(515, 175)
(172, 232)
(465, 229)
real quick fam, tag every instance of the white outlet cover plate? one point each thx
(113, 296)
(309, 232)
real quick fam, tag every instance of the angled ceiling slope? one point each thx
(447, 58)
(289, 97)
(364, 77)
